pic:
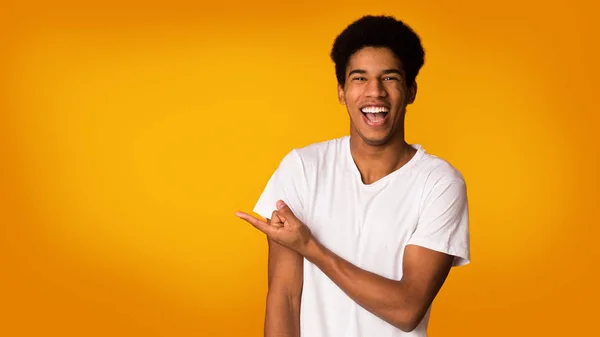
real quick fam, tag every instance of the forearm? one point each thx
(282, 317)
(388, 299)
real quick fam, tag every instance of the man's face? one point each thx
(376, 94)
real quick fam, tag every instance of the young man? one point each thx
(363, 230)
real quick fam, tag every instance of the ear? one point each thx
(412, 93)
(340, 91)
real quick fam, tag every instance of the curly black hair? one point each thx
(379, 31)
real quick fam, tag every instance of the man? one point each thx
(363, 230)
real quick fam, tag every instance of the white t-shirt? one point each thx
(423, 203)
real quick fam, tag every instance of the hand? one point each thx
(284, 228)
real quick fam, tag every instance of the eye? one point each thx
(391, 78)
(359, 78)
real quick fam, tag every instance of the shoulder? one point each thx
(439, 177)
(308, 158)
(316, 153)
(435, 169)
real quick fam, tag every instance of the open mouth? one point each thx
(375, 115)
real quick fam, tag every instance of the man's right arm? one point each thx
(282, 316)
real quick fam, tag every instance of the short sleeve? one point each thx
(287, 183)
(444, 221)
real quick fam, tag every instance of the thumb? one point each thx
(285, 210)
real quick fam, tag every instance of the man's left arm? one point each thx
(440, 240)
(401, 303)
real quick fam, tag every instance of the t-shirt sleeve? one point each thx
(444, 221)
(287, 183)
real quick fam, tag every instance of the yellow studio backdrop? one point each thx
(130, 133)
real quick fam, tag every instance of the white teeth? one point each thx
(374, 109)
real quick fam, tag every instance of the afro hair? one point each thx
(379, 31)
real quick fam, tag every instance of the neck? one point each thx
(377, 161)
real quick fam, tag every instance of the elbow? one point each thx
(286, 299)
(406, 326)
(408, 320)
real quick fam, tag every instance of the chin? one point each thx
(375, 140)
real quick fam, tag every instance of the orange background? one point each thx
(130, 134)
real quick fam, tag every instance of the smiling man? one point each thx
(364, 229)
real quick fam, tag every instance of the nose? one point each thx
(375, 88)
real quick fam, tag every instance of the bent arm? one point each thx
(401, 303)
(282, 316)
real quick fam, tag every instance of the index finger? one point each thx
(259, 224)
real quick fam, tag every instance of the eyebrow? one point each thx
(387, 71)
(392, 71)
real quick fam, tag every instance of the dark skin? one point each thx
(374, 78)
